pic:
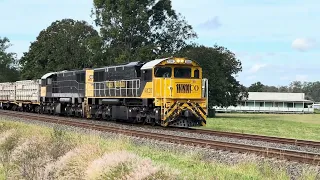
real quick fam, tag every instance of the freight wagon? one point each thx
(20, 95)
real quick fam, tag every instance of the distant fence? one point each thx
(264, 109)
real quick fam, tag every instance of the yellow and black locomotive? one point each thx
(166, 92)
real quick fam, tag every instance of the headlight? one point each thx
(188, 62)
(171, 61)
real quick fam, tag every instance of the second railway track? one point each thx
(298, 156)
(280, 140)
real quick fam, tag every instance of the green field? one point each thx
(300, 126)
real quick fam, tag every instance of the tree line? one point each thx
(311, 89)
(136, 30)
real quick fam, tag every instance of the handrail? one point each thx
(102, 88)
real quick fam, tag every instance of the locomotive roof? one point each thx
(130, 64)
(153, 63)
(48, 75)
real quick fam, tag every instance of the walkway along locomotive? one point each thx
(166, 92)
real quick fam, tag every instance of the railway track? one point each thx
(280, 140)
(298, 156)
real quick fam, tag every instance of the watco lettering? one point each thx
(186, 88)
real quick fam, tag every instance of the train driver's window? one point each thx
(182, 72)
(196, 73)
(162, 72)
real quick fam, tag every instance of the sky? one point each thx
(276, 41)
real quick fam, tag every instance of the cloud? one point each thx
(303, 44)
(211, 24)
(255, 68)
(301, 77)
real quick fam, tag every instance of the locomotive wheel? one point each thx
(139, 119)
(153, 122)
(134, 120)
(149, 120)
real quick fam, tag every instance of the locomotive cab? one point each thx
(178, 90)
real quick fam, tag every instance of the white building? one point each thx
(316, 105)
(272, 102)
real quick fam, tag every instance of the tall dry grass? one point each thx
(60, 155)
(103, 165)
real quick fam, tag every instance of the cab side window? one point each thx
(147, 75)
(196, 73)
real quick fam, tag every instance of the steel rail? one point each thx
(273, 139)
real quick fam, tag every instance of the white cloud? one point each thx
(211, 24)
(255, 68)
(301, 77)
(303, 44)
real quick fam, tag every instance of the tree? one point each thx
(64, 45)
(219, 66)
(140, 29)
(270, 88)
(284, 89)
(256, 87)
(312, 90)
(8, 62)
(296, 87)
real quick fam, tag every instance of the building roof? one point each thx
(153, 63)
(276, 96)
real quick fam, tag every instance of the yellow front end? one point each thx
(181, 94)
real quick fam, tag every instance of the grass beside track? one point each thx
(35, 152)
(300, 126)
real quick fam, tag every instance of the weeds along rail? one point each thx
(299, 156)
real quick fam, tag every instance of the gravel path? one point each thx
(294, 169)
